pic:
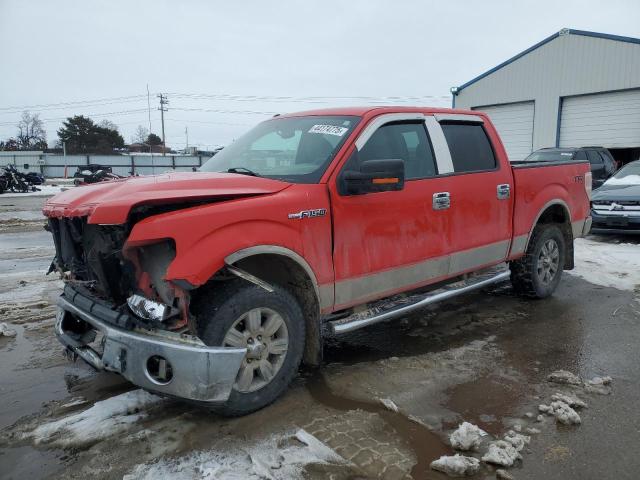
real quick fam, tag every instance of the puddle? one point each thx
(425, 444)
(27, 462)
(485, 401)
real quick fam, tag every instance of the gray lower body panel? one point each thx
(199, 372)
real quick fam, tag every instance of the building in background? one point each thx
(572, 89)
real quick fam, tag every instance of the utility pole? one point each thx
(163, 102)
(149, 111)
(186, 132)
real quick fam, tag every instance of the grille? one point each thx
(619, 202)
(92, 254)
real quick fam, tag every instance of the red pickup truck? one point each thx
(213, 286)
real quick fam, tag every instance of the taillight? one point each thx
(588, 184)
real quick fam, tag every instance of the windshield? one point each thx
(627, 175)
(549, 156)
(295, 149)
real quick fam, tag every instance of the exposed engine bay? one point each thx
(94, 261)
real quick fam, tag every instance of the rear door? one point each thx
(481, 193)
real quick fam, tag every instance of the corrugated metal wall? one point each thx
(568, 65)
(52, 166)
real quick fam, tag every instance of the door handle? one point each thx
(441, 200)
(504, 191)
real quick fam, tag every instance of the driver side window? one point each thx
(404, 141)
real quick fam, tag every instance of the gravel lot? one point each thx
(483, 358)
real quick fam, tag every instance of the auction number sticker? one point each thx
(328, 130)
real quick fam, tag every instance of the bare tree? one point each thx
(140, 135)
(31, 132)
(108, 124)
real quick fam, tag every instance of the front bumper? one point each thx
(199, 372)
(618, 224)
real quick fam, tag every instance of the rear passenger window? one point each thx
(580, 155)
(403, 141)
(469, 146)
(594, 158)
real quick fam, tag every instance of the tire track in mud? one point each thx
(425, 445)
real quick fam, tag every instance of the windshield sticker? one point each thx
(566, 154)
(328, 130)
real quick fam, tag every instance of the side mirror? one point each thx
(373, 176)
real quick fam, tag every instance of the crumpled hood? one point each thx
(110, 202)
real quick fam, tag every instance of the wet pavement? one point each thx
(483, 358)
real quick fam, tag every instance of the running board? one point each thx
(386, 309)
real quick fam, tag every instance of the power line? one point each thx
(244, 112)
(226, 97)
(111, 100)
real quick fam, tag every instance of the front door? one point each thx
(386, 242)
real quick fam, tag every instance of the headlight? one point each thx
(148, 309)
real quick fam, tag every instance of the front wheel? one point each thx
(270, 325)
(537, 274)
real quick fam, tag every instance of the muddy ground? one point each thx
(483, 358)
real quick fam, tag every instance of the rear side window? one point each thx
(594, 157)
(581, 155)
(469, 146)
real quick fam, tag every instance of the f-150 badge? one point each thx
(318, 212)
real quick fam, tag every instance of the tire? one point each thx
(538, 273)
(222, 308)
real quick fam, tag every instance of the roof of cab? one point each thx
(373, 111)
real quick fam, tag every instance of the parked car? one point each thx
(615, 207)
(602, 163)
(212, 286)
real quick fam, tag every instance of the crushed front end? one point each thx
(118, 313)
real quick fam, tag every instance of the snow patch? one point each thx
(276, 458)
(389, 404)
(504, 475)
(502, 453)
(630, 180)
(6, 331)
(571, 400)
(517, 440)
(565, 414)
(456, 465)
(564, 377)
(466, 437)
(600, 381)
(607, 264)
(104, 419)
(44, 191)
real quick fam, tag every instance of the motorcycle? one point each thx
(15, 181)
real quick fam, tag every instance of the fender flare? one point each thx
(545, 207)
(323, 296)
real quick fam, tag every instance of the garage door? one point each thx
(608, 119)
(514, 122)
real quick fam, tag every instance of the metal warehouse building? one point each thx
(572, 89)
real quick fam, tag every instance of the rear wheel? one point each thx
(270, 325)
(537, 274)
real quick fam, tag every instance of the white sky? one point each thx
(59, 51)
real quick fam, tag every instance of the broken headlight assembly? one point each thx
(149, 309)
(154, 298)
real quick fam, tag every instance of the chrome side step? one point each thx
(390, 308)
